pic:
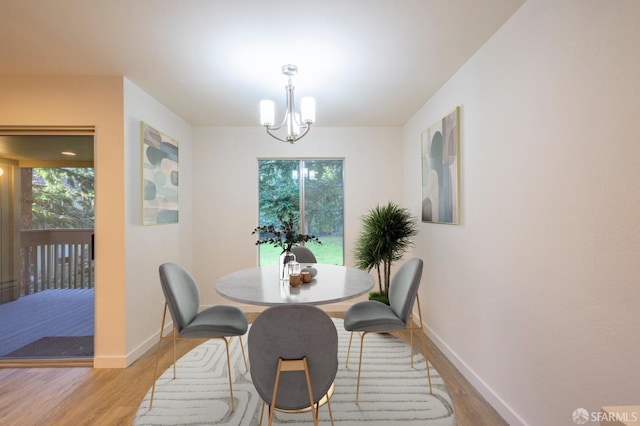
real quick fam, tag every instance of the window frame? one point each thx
(301, 191)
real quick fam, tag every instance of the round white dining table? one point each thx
(262, 286)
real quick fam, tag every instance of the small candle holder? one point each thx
(294, 274)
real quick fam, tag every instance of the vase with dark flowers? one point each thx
(284, 235)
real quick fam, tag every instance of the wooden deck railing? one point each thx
(56, 259)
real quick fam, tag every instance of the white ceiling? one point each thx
(367, 62)
(36, 148)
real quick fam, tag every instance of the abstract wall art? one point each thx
(159, 177)
(441, 170)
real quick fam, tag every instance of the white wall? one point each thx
(149, 246)
(225, 186)
(535, 295)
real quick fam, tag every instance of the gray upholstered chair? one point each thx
(371, 316)
(303, 255)
(182, 297)
(293, 357)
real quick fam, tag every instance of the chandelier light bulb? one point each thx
(308, 109)
(267, 113)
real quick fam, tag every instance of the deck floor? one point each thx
(45, 314)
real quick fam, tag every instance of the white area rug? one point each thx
(391, 392)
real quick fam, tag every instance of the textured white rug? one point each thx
(391, 392)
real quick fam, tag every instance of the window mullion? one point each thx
(301, 201)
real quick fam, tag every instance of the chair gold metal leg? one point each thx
(314, 409)
(411, 337)
(274, 394)
(330, 412)
(426, 360)
(226, 344)
(424, 345)
(261, 413)
(270, 413)
(155, 371)
(175, 338)
(360, 366)
(244, 358)
(349, 349)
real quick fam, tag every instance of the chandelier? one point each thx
(297, 125)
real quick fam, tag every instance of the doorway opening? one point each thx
(46, 246)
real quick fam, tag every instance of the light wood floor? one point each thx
(85, 396)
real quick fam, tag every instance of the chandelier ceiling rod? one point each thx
(297, 125)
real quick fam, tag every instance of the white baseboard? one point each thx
(507, 413)
(148, 344)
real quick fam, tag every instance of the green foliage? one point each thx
(279, 193)
(285, 235)
(324, 199)
(376, 295)
(387, 233)
(63, 198)
(330, 252)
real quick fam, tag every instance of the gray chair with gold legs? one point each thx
(303, 254)
(293, 354)
(371, 316)
(182, 297)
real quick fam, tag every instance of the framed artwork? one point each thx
(159, 177)
(441, 170)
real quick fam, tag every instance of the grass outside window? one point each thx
(330, 252)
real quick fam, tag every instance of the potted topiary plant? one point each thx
(284, 235)
(386, 235)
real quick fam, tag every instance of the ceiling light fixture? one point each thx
(297, 125)
(69, 153)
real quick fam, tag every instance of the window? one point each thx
(310, 190)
